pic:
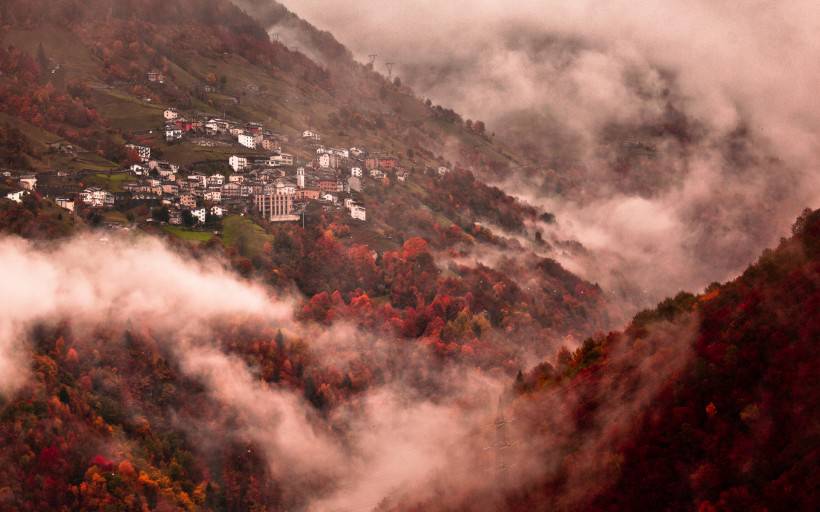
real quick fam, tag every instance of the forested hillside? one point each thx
(706, 402)
(722, 390)
(96, 56)
(80, 79)
(428, 358)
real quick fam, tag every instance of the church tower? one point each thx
(300, 177)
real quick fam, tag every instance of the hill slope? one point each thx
(90, 89)
(705, 403)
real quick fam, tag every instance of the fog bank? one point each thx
(675, 140)
(390, 440)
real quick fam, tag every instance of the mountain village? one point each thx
(261, 179)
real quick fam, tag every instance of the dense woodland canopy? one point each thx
(732, 428)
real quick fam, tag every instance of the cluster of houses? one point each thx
(248, 135)
(270, 183)
(28, 183)
(334, 177)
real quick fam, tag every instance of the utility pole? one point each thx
(501, 444)
(389, 69)
(372, 57)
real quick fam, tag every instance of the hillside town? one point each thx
(260, 179)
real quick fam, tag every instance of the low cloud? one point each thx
(392, 439)
(91, 281)
(425, 433)
(675, 140)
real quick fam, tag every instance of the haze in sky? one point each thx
(715, 92)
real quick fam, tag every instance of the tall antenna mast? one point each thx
(389, 69)
(501, 444)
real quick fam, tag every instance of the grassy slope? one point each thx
(60, 45)
(125, 112)
(188, 235)
(112, 182)
(244, 235)
(40, 140)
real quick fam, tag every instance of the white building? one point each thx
(358, 212)
(28, 182)
(342, 153)
(280, 160)
(65, 202)
(217, 211)
(247, 140)
(172, 133)
(329, 161)
(275, 207)
(17, 197)
(356, 171)
(236, 178)
(214, 196)
(143, 152)
(95, 197)
(324, 161)
(198, 179)
(212, 127)
(170, 114)
(309, 134)
(285, 187)
(200, 214)
(216, 179)
(443, 170)
(238, 163)
(162, 164)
